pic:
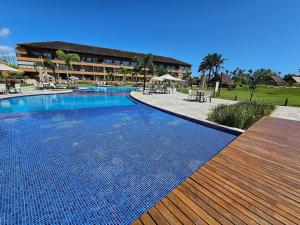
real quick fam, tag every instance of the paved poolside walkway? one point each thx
(254, 180)
(27, 91)
(286, 112)
(178, 103)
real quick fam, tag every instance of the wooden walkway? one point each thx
(254, 180)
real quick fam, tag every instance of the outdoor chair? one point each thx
(146, 91)
(3, 89)
(16, 89)
(203, 96)
(191, 96)
(38, 86)
(51, 85)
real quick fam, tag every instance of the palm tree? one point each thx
(217, 62)
(188, 77)
(68, 58)
(146, 63)
(136, 70)
(124, 71)
(50, 65)
(207, 64)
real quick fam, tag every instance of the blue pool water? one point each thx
(110, 89)
(103, 162)
(62, 102)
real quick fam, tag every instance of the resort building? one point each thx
(95, 62)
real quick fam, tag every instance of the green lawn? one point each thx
(275, 95)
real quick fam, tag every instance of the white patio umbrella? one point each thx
(156, 79)
(168, 77)
(6, 68)
(50, 77)
(73, 78)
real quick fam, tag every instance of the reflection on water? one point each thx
(62, 102)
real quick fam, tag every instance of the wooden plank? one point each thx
(147, 220)
(177, 212)
(254, 180)
(184, 208)
(137, 222)
(157, 217)
(165, 212)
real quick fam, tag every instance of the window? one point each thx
(76, 67)
(37, 54)
(87, 68)
(62, 67)
(95, 60)
(98, 69)
(133, 64)
(116, 62)
(47, 55)
(125, 63)
(86, 59)
(107, 61)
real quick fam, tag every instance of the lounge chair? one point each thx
(38, 86)
(3, 88)
(16, 89)
(191, 96)
(51, 85)
(146, 91)
(60, 86)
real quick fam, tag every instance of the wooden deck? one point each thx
(254, 180)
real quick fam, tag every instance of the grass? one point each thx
(241, 115)
(274, 95)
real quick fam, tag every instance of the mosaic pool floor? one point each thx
(100, 165)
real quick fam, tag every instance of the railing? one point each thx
(89, 64)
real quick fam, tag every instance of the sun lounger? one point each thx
(51, 85)
(3, 88)
(191, 96)
(38, 86)
(147, 91)
(16, 89)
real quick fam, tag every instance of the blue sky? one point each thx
(248, 33)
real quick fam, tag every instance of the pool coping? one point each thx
(35, 94)
(207, 123)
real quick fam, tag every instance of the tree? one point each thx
(68, 58)
(124, 71)
(207, 65)
(188, 77)
(160, 71)
(262, 75)
(289, 78)
(136, 70)
(146, 63)
(217, 61)
(252, 83)
(109, 76)
(50, 65)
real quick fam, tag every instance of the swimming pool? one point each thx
(96, 162)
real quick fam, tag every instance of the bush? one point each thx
(241, 115)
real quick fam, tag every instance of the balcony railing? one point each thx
(103, 65)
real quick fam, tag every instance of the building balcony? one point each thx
(31, 59)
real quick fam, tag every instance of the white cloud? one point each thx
(4, 32)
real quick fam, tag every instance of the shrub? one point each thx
(241, 115)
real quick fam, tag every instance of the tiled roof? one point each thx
(297, 79)
(94, 50)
